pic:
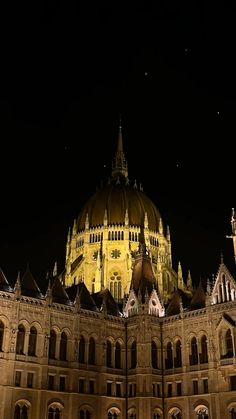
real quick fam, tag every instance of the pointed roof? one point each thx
(119, 165)
(59, 294)
(86, 300)
(199, 298)
(174, 305)
(104, 297)
(29, 285)
(4, 284)
(143, 278)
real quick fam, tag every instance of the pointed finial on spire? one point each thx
(68, 236)
(105, 219)
(189, 281)
(87, 222)
(55, 269)
(17, 287)
(119, 165)
(145, 220)
(74, 228)
(126, 217)
(160, 226)
(221, 257)
(168, 233)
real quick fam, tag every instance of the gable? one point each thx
(224, 288)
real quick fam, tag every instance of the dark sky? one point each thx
(68, 69)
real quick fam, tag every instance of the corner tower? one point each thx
(105, 237)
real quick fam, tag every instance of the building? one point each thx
(119, 333)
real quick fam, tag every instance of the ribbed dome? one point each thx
(116, 198)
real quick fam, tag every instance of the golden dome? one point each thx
(116, 198)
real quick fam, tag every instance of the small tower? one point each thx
(233, 236)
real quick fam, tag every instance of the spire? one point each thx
(17, 287)
(55, 269)
(119, 165)
(126, 217)
(189, 281)
(168, 233)
(180, 276)
(233, 236)
(160, 226)
(87, 222)
(146, 220)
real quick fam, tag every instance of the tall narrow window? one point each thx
(63, 346)
(229, 344)
(82, 350)
(133, 355)
(1, 335)
(117, 355)
(178, 359)
(32, 341)
(91, 355)
(52, 345)
(20, 340)
(154, 355)
(204, 354)
(169, 356)
(194, 353)
(54, 413)
(108, 357)
(21, 412)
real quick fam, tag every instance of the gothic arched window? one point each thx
(21, 411)
(108, 353)
(1, 335)
(32, 341)
(229, 344)
(91, 354)
(117, 355)
(194, 352)
(178, 359)
(82, 350)
(52, 344)
(63, 347)
(20, 340)
(169, 356)
(84, 414)
(133, 355)
(154, 355)
(204, 354)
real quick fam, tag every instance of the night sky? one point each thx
(68, 69)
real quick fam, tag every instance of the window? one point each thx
(195, 386)
(118, 389)
(204, 354)
(109, 364)
(179, 389)
(117, 355)
(133, 355)
(18, 379)
(154, 355)
(112, 415)
(84, 414)
(205, 385)
(81, 385)
(91, 355)
(109, 388)
(62, 383)
(169, 390)
(156, 416)
(32, 341)
(52, 345)
(178, 359)
(156, 390)
(233, 382)
(91, 387)
(82, 350)
(1, 335)
(20, 340)
(229, 344)
(233, 413)
(54, 413)
(194, 354)
(30, 379)
(21, 411)
(63, 346)
(50, 382)
(169, 356)
(202, 412)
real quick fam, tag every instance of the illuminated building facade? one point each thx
(119, 333)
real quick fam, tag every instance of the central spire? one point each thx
(119, 165)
